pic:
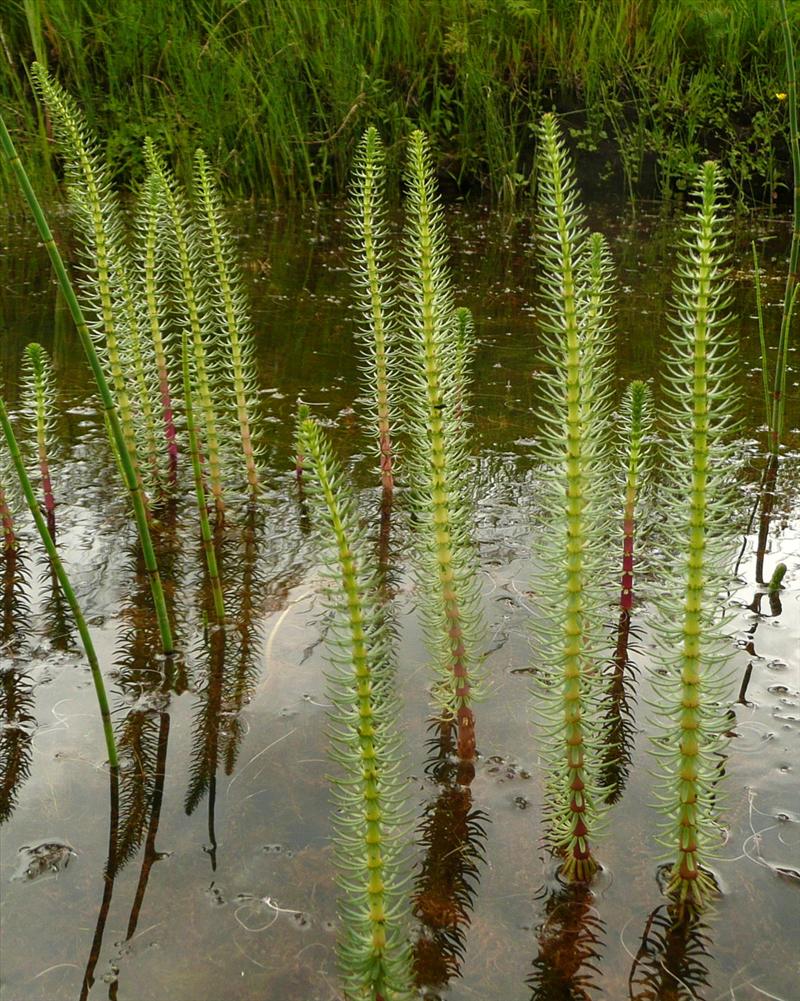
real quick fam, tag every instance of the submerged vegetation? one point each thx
(162, 317)
(282, 91)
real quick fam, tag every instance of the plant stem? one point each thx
(63, 579)
(131, 479)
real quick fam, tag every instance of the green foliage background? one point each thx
(279, 91)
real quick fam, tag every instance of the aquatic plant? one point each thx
(103, 280)
(127, 463)
(17, 703)
(63, 579)
(374, 954)
(675, 951)
(190, 292)
(452, 832)
(433, 373)
(571, 549)
(235, 348)
(38, 401)
(698, 505)
(377, 330)
(635, 424)
(151, 304)
(200, 495)
(570, 943)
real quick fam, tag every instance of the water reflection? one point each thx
(671, 961)
(17, 725)
(570, 942)
(15, 606)
(619, 725)
(109, 875)
(17, 721)
(453, 834)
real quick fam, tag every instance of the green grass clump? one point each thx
(280, 91)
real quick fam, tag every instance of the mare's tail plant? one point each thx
(38, 400)
(235, 348)
(190, 291)
(63, 579)
(151, 302)
(436, 355)
(572, 549)
(200, 494)
(126, 456)
(635, 420)
(699, 536)
(377, 329)
(374, 953)
(104, 282)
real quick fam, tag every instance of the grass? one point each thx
(280, 92)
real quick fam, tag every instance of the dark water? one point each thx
(222, 886)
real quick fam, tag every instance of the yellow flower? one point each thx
(781, 96)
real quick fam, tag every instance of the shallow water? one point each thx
(223, 886)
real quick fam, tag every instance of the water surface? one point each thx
(222, 886)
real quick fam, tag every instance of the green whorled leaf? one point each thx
(373, 280)
(231, 345)
(105, 280)
(39, 405)
(699, 500)
(150, 283)
(437, 345)
(190, 291)
(370, 830)
(574, 576)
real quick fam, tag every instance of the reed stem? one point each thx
(793, 275)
